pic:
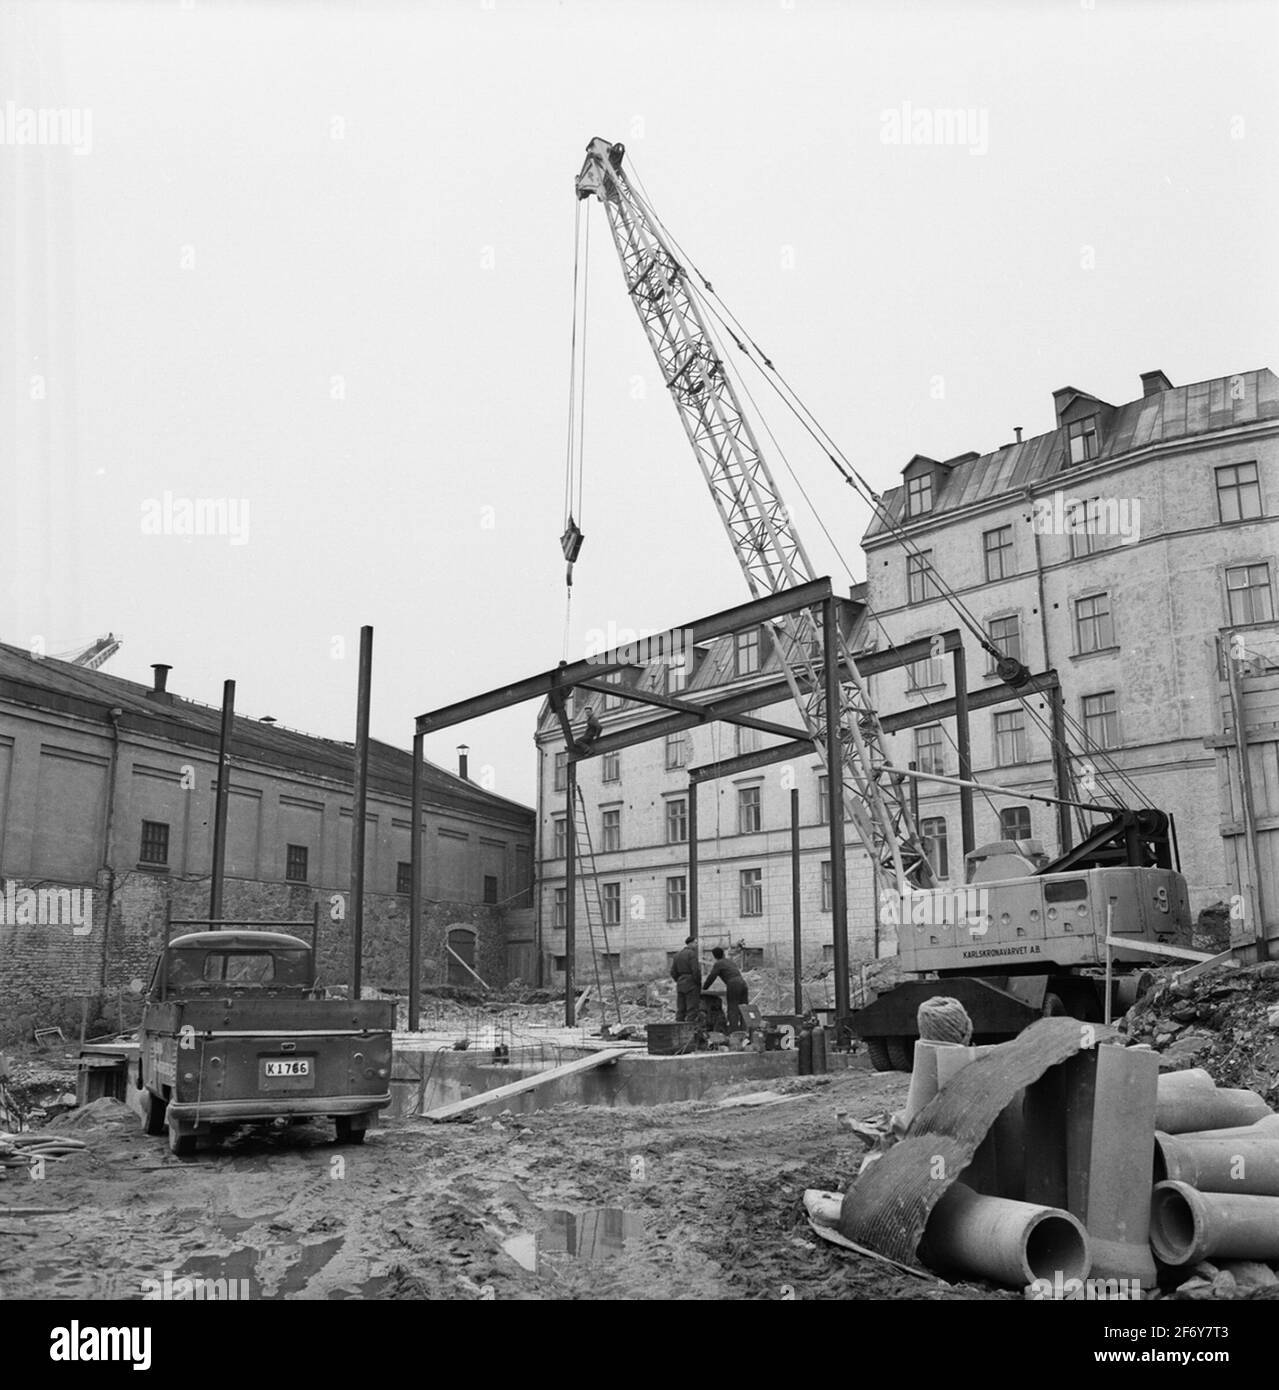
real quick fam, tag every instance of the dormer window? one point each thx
(919, 494)
(1083, 439)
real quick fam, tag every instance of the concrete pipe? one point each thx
(1246, 1162)
(1269, 1125)
(1188, 1100)
(924, 1081)
(1188, 1226)
(1012, 1243)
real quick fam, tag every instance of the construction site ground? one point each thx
(693, 1200)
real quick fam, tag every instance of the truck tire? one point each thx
(901, 1052)
(350, 1129)
(877, 1051)
(153, 1108)
(1053, 1006)
(180, 1145)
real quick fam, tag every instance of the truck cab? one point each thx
(236, 1029)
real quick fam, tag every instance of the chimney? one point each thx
(1152, 383)
(159, 691)
(1017, 431)
(462, 751)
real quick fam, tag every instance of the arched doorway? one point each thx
(461, 943)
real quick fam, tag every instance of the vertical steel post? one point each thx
(221, 803)
(1061, 772)
(415, 888)
(796, 929)
(360, 792)
(835, 804)
(966, 833)
(692, 858)
(570, 896)
(315, 943)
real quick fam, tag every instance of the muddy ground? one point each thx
(689, 1200)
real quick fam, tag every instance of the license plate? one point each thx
(288, 1066)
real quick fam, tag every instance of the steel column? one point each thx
(1061, 770)
(415, 888)
(835, 807)
(797, 946)
(960, 667)
(692, 858)
(360, 801)
(570, 895)
(222, 801)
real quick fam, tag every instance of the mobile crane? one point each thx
(1042, 925)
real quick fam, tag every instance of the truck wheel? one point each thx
(153, 1108)
(348, 1132)
(180, 1145)
(1053, 1007)
(877, 1051)
(901, 1052)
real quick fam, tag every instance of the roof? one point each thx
(238, 940)
(46, 683)
(1162, 418)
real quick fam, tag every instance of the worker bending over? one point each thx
(738, 994)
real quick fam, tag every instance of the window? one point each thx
(155, 842)
(823, 799)
(1083, 439)
(746, 650)
(612, 701)
(676, 751)
(921, 583)
(745, 740)
(1083, 527)
(612, 825)
(559, 837)
(676, 898)
(295, 863)
(1101, 719)
(919, 495)
(490, 888)
(1238, 492)
(920, 675)
(999, 552)
(1014, 823)
(932, 831)
(747, 810)
(1004, 633)
(561, 771)
(1094, 624)
(1010, 738)
(751, 958)
(928, 749)
(612, 767)
(560, 963)
(404, 877)
(559, 916)
(750, 888)
(676, 669)
(611, 897)
(826, 894)
(676, 820)
(611, 960)
(1248, 593)
(828, 954)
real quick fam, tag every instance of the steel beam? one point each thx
(937, 710)
(760, 610)
(751, 762)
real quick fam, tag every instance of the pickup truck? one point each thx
(235, 1029)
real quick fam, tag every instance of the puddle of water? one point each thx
(599, 1233)
(311, 1259)
(239, 1265)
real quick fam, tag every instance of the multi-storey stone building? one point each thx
(1120, 549)
(107, 790)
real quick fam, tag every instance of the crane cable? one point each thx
(797, 406)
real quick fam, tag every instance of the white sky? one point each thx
(425, 258)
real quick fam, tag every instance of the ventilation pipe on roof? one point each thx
(462, 762)
(1017, 431)
(159, 691)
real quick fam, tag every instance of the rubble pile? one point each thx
(1225, 1021)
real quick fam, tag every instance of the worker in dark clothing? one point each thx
(686, 971)
(724, 969)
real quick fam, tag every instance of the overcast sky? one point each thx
(315, 261)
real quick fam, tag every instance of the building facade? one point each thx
(1123, 549)
(107, 793)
